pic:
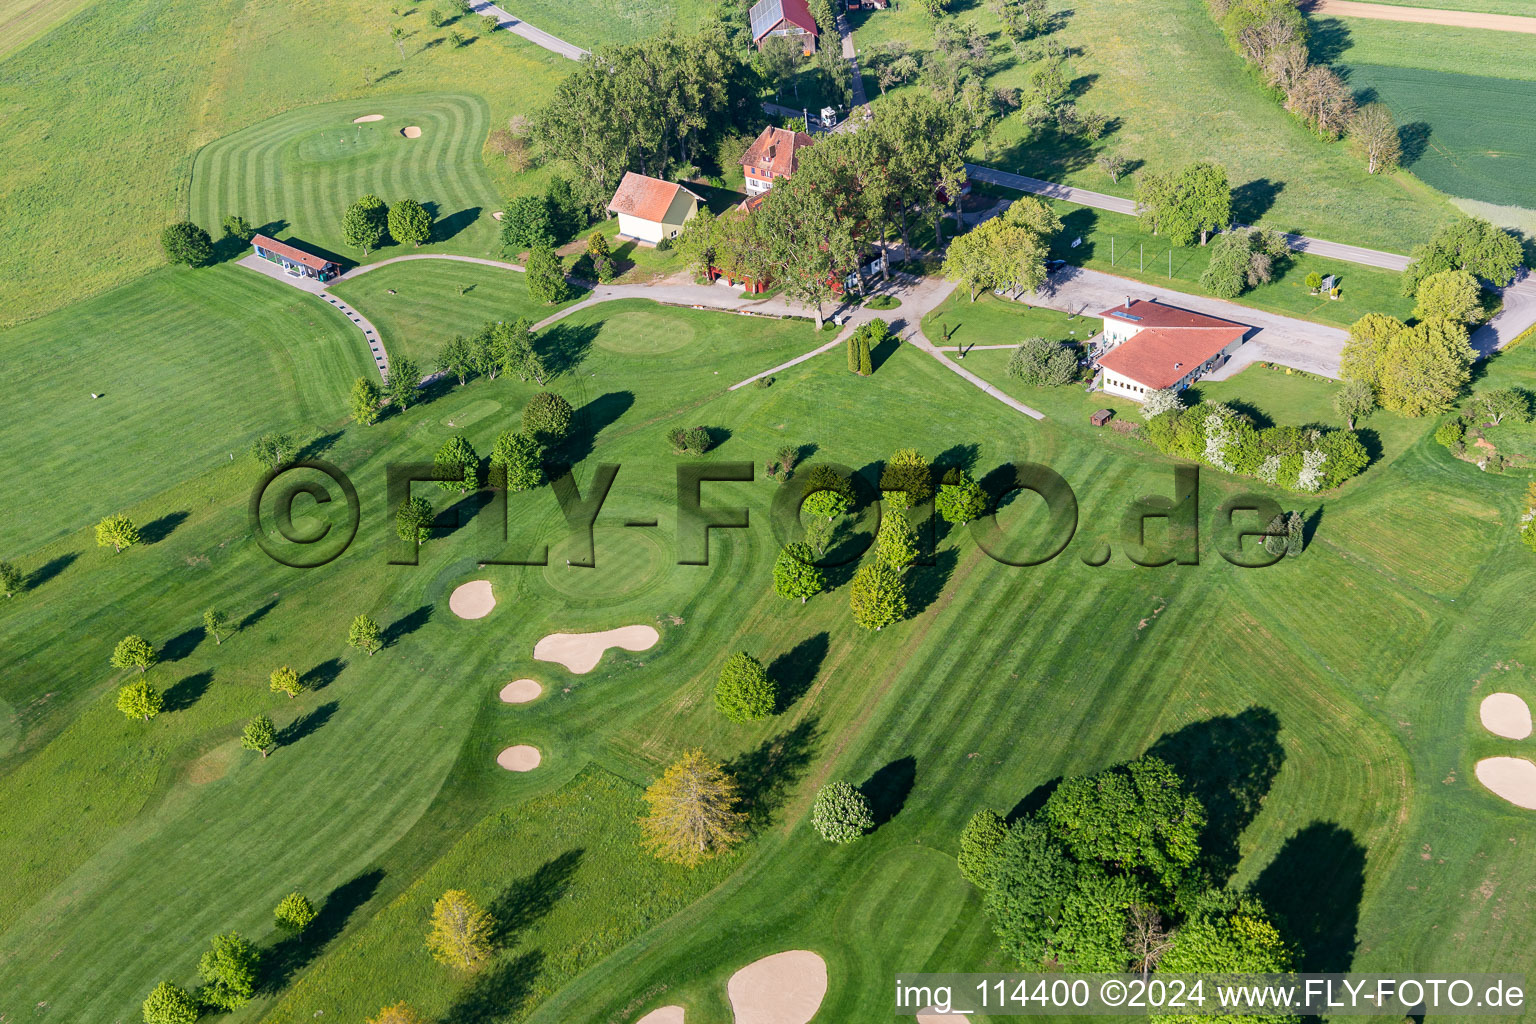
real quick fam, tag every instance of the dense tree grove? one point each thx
(1471, 244)
(1306, 459)
(651, 106)
(1244, 258)
(1413, 370)
(1007, 252)
(1108, 876)
(1183, 206)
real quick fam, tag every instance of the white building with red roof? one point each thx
(650, 209)
(1147, 346)
(773, 154)
(297, 262)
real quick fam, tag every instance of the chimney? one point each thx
(1127, 302)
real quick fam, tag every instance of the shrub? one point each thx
(841, 813)
(1453, 434)
(1043, 363)
(744, 692)
(979, 841)
(1160, 401)
(689, 441)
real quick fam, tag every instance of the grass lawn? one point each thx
(1485, 6)
(292, 175)
(994, 321)
(593, 23)
(22, 21)
(1115, 243)
(417, 306)
(104, 125)
(1351, 41)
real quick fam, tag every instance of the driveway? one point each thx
(1117, 204)
(1517, 316)
(1301, 344)
(537, 36)
(1422, 15)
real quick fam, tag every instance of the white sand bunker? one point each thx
(785, 988)
(473, 600)
(520, 691)
(497, 215)
(412, 132)
(1513, 778)
(663, 1015)
(1506, 715)
(580, 652)
(367, 117)
(521, 758)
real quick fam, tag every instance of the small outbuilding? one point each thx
(1101, 417)
(650, 209)
(294, 260)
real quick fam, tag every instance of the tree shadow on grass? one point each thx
(1413, 138)
(49, 569)
(1033, 800)
(887, 789)
(323, 674)
(291, 953)
(957, 456)
(795, 670)
(405, 626)
(590, 421)
(1313, 889)
(926, 582)
(499, 993)
(318, 445)
(454, 223)
(1228, 763)
(157, 530)
(564, 345)
(530, 898)
(887, 348)
(186, 691)
(1328, 39)
(1253, 199)
(182, 644)
(256, 616)
(765, 773)
(306, 724)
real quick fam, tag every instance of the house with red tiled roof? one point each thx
(790, 18)
(1147, 346)
(773, 154)
(650, 209)
(294, 260)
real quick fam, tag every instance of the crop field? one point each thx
(285, 174)
(1482, 6)
(1350, 41)
(1471, 134)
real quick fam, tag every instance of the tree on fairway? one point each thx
(1449, 295)
(133, 651)
(402, 382)
(213, 622)
(828, 495)
(906, 480)
(547, 418)
(413, 520)
(458, 462)
(229, 971)
(1375, 134)
(286, 680)
(457, 357)
(236, 226)
(841, 813)
(546, 279)
(259, 734)
(187, 243)
(877, 597)
(169, 1003)
(1368, 338)
(1498, 403)
(896, 541)
(410, 223)
(274, 449)
(960, 499)
(1424, 368)
(460, 935)
(979, 842)
(401, 1012)
(117, 532)
(293, 913)
(364, 634)
(794, 575)
(363, 402)
(1354, 401)
(744, 693)
(11, 579)
(521, 460)
(366, 223)
(692, 813)
(140, 700)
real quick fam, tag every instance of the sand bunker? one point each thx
(1506, 715)
(412, 132)
(521, 758)
(580, 652)
(1513, 778)
(367, 117)
(785, 988)
(934, 1017)
(497, 215)
(473, 600)
(520, 691)
(663, 1015)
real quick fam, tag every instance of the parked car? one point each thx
(1051, 266)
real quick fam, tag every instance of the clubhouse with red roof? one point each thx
(1147, 346)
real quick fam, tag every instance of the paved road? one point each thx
(1117, 204)
(1282, 339)
(516, 25)
(1422, 15)
(1517, 317)
(852, 57)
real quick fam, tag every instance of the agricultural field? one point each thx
(1481, 6)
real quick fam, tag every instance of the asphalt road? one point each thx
(516, 25)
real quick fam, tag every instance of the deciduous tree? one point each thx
(1471, 244)
(546, 279)
(840, 813)
(1354, 401)
(401, 384)
(1375, 134)
(896, 541)
(363, 402)
(1043, 363)
(185, 242)
(1499, 403)
(364, 634)
(259, 735)
(11, 579)
(169, 1003)
(979, 843)
(457, 465)
(116, 531)
(693, 812)
(410, 223)
(285, 680)
(294, 913)
(133, 651)
(1368, 338)
(229, 971)
(794, 574)
(366, 223)
(520, 459)
(877, 597)
(413, 520)
(960, 499)
(547, 418)
(274, 449)
(744, 693)
(1424, 368)
(140, 700)
(1449, 295)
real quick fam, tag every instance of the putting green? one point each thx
(630, 561)
(470, 412)
(343, 143)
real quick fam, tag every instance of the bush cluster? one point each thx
(689, 440)
(1306, 459)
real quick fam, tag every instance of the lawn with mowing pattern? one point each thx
(1351, 41)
